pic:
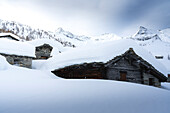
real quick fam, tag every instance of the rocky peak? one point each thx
(59, 30)
(70, 35)
(142, 30)
(145, 34)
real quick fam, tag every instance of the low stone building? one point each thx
(17, 53)
(9, 36)
(126, 67)
(43, 51)
(133, 68)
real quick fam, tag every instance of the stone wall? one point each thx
(133, 73)
(19, 60)
(147, 76)
(43, 52)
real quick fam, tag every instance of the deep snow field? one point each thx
(34, 91)
(37, 90)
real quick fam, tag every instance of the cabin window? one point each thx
(123, 75)
(151, 81)
(159, 57)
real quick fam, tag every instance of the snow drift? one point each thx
(3, 63)
(81, 96)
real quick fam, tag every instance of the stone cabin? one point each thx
(43, 51)
(21, 61)
(17, 53)
(9, 36)
(127, 67)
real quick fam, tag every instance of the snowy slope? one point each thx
(16, 48)
(165, 85)
(99, 52)
(27, 33)
(32, 91)
(80, 96)
(39, 91)
(106, 37)
(3, 63)
(70, 35)
(165, 35)
(66, 38)
(156, 42)
(23, 31)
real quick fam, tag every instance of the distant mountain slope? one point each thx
(157, 42)
(107, 37)
(70, 35)
(144, 34)
(26, 33)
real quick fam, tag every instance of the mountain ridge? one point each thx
(27, 33)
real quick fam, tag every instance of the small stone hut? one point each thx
(126, 67)
(43, 51)
(17, 53)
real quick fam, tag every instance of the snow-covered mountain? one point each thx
(144, 34)
(157, 42)
(107, 37)
(68, 34)
(27, 33)
(165, 34)
(66, 38)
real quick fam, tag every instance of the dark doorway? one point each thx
(123, 75)
(151, 81)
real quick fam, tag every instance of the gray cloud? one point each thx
(93, 17)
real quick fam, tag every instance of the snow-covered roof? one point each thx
(12, 47)
(10, 34)
(101, 52)
(51, 42)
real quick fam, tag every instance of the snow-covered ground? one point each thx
(16, 48)
(81, 96)
(37, 90)
(32, 91)
(166, 85)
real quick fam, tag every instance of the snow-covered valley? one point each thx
(37, 90)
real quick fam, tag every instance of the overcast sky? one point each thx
(89, 17)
